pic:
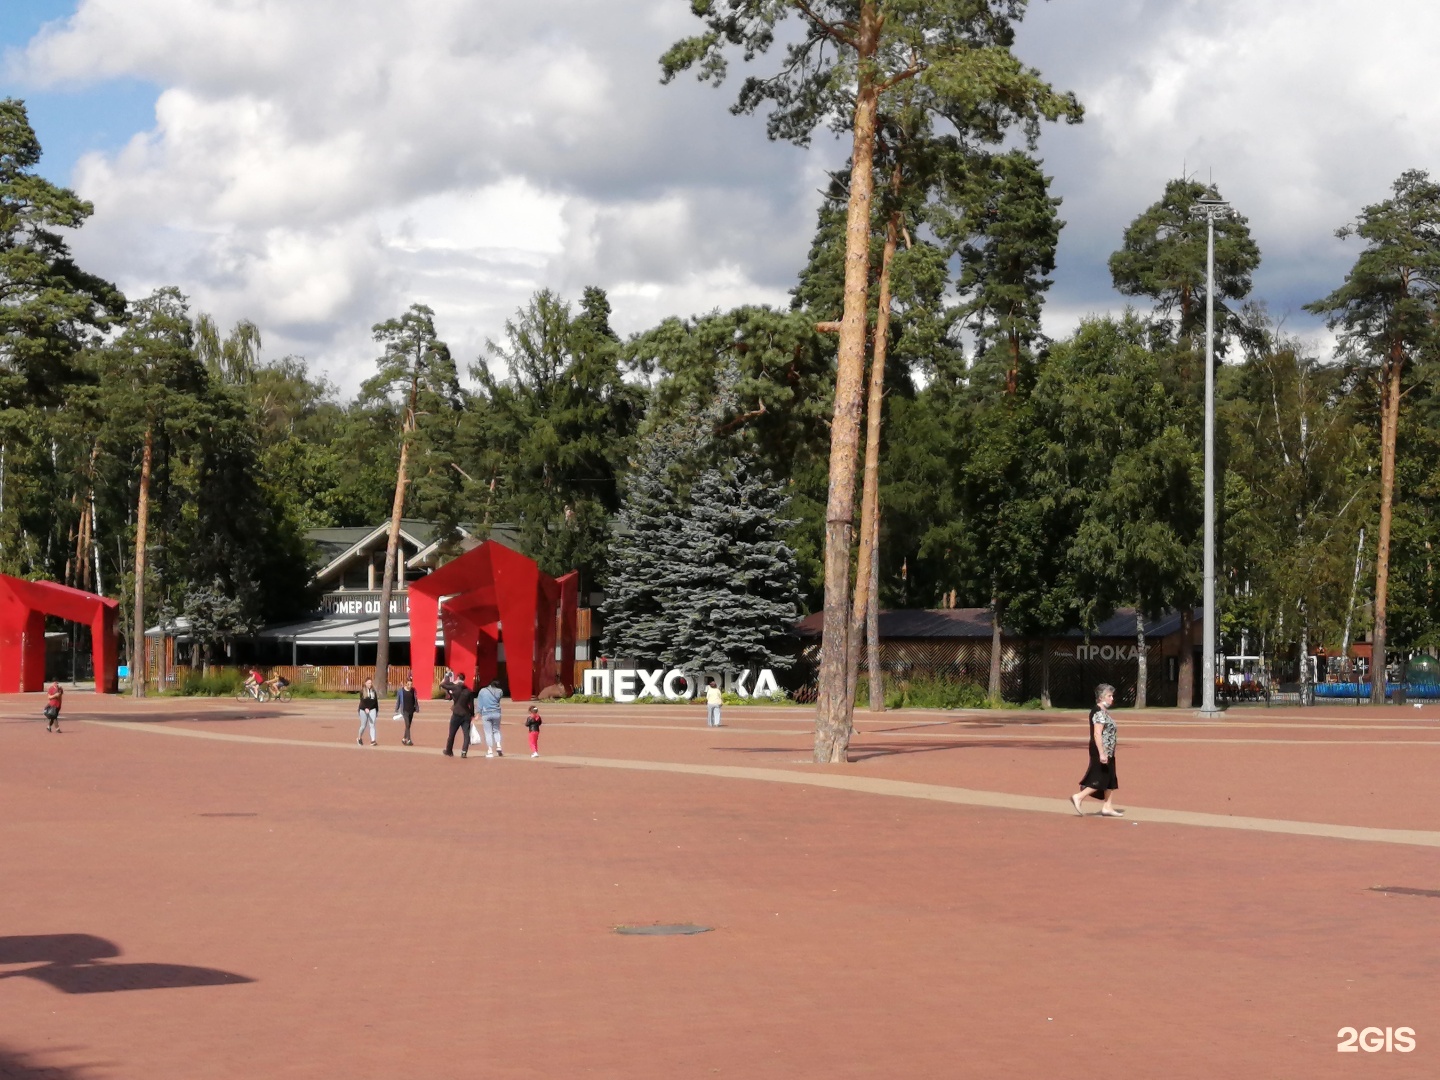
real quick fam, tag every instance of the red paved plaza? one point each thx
(191, 892)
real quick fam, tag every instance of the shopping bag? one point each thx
(398, 717)
(474, 732)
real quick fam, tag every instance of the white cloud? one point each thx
(319, 166)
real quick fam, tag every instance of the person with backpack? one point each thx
(487, 703)
(406, 706)
(53, 697)
(462, 712)
(532, 725)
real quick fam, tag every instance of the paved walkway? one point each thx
(251, 894)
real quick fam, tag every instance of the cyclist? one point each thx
(253, 682)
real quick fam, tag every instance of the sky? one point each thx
(318, 167)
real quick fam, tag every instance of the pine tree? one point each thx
(743, 592)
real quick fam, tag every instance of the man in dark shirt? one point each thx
(462, 711)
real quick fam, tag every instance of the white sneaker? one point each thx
(535, 753)
(490, 753)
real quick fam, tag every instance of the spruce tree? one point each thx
(743, 589)
(645, 565)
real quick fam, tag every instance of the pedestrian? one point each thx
(487, 703)
(1099, 781)
(406, 705)
(713, 700)
(532, 725)
(369, 712)
(462, 708)
(53, 696)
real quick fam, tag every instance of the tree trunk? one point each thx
(138, 658)
(1141, 668)
(867, 562)
(392, 545)
(995, 649)
(1304, 655)
(1045, 673)
(1389, 427)
(833, 709)
(1185, 686)
(1354, 588)
(872, 628)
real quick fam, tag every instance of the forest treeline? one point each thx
(1053, 479)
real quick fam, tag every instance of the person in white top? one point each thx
(713, 700)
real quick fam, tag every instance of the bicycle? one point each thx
(257, 693)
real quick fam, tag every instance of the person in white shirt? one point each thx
(713, 700)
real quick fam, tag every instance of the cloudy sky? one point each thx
(318, 166)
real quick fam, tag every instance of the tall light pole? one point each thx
(1210, 208)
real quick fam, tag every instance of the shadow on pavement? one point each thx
(76, 964)
(865, 751)
(23, 1066)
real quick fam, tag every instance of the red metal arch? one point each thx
(23, 607)
(489, 594)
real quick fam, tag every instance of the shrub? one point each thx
(935, 694)
(218, 682)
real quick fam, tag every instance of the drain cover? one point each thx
(664, 929)
(1403, 891)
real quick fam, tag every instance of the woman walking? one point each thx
(1099, 781)
(369, 711)
(407, 705)
(487, 704)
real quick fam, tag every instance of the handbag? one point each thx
(398, 717)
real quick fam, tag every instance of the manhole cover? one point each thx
(664, 929)
(241, 814)
(1403, 891)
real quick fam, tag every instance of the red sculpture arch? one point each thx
(23, 607)
(489, 593)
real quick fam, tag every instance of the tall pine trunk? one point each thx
(833, 717)
(867, 563)
(138, 657)
(872, 628)
(1185, 687)
(392, 545)
(1389, 428)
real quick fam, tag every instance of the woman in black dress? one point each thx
(1099, 781)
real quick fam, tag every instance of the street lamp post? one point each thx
(1210, 208)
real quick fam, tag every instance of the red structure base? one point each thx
(23, 607)
(489, 595)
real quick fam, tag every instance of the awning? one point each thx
(339, 632)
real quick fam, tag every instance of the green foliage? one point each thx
(1164, 258)
(700, 579)
(934, 694)
(957, 53)
(218, 682)
(1389, 300)
(544, 447)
